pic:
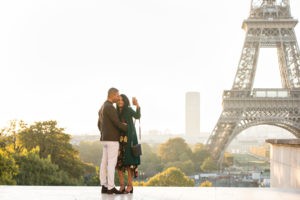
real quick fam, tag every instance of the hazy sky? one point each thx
(58, 58)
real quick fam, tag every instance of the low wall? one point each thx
(285, 163)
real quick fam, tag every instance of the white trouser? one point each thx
(108, 163)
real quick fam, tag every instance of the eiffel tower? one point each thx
(269, 25)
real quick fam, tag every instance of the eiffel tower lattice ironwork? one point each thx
(269, 25)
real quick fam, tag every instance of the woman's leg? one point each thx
(121, 179)
(129, 188)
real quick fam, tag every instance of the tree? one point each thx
(151, 163)
(8, 169)
(90, 152)
(9, 135)
(206, 184)
(209, 165)
(227, 160)
(200, 153)
(52, 141)
(170, 177)
(175, 149)
(186, 166)
(8, 146)
(91, 175)
(34, 170)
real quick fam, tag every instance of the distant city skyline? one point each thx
(59, 58)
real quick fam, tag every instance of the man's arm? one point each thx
(113, 115)
(100, 118)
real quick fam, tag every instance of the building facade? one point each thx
(192, 113)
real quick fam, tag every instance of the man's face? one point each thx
(116, 97)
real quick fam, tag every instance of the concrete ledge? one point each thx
(284, 141)
(284, 163)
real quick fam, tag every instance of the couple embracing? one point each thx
(118, 134)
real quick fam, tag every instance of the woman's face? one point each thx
(120, 102)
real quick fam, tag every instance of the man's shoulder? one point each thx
(108, 106)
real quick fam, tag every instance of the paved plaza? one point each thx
(146, 193)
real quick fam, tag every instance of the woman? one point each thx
(126, 160)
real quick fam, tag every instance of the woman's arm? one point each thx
(135, 114)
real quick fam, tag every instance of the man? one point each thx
(110, 126)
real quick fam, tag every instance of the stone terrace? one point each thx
(146, 193)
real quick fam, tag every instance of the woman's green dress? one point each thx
(126, 158)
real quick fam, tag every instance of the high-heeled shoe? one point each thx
(129, 191)
(123, 190)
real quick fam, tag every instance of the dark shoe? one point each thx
(123, 190)
(104, 189)
(129, 191)
(114, 191)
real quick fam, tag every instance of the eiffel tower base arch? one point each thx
(244, 109)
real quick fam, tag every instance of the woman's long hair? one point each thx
(126, 105)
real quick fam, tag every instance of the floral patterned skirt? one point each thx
(121, 157)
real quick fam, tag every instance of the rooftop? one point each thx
(146, 193)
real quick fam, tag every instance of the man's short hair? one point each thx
(112, 91)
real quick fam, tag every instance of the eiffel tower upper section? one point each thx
(270, 24)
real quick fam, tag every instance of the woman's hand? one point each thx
(135, 102)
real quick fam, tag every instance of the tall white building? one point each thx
(192, 113)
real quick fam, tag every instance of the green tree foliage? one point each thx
(186, 166)
(170, 177)
(41, 154)
(54, 142)
(34, 170)
(90, 152)
(9, 136)
(176, 152)
(200, 153)
(8, 168)
(8, 145)
(91, 175)
(227, 160)
(209, 165)
(175, 149)
(4, 142)
(206, 184)
(151, 163)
